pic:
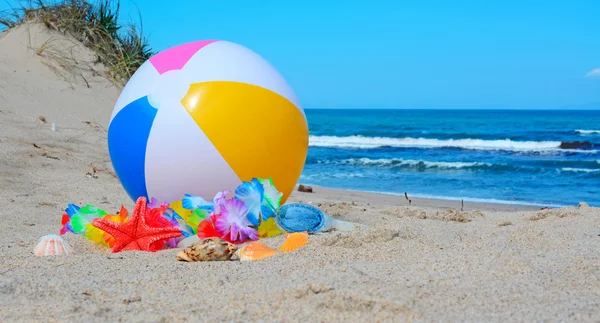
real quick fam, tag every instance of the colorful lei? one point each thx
(247, 215)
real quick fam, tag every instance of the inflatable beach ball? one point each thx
(202, 117)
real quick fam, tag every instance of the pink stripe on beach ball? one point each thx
(175, 58)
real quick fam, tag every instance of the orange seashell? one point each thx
(294, 241)
(254, 251)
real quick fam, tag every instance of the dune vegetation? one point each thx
(122, 48)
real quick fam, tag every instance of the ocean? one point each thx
(546, 158)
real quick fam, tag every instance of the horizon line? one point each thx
(476, 109)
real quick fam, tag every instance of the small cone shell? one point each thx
(209, 249)
(294, 241)
(254, 251)
(52, 245)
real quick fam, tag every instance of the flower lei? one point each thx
(248, 215)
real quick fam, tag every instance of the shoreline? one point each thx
(391, 199)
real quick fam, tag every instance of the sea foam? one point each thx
(587, 132)
(361, 142)
(391, 162)
(580, 170)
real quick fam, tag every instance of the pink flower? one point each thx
(154, 204)
(218, 201)
(233, 221)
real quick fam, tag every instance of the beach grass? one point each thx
(122, 48)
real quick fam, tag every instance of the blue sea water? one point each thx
(476, 155)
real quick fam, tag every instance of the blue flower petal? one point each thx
(191, 202)
(178, 222)
(251, 193)
(72, 209)
(267, 210)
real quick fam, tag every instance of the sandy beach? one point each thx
(424, 262)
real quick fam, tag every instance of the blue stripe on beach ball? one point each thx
(128, 135)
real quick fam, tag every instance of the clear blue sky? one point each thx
(403, 54)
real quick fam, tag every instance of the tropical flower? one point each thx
(177, 221)
(234, 222)
(272, 198)
(206, 228)
(154, 204)
(196, 217)
(76, 218)
(218, 201)
(192, 202)
(251, 193)
(268, 229)
(155, 218)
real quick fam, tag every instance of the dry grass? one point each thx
(121, 48)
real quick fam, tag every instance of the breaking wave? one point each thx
(360, 142)
(580, 170)
(587, 132)
(397, 162)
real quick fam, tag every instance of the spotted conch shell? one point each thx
(209, 249)
(52, 245)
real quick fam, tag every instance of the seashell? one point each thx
(294, 241)
(52, 245)
(209, 249)
(254, 251)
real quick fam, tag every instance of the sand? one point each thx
(423, 262)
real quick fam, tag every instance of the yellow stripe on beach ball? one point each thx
(258, 132)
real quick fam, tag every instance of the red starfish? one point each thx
(136, 233)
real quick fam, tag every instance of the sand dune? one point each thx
(425, 262)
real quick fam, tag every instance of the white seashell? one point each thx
(52, 245)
